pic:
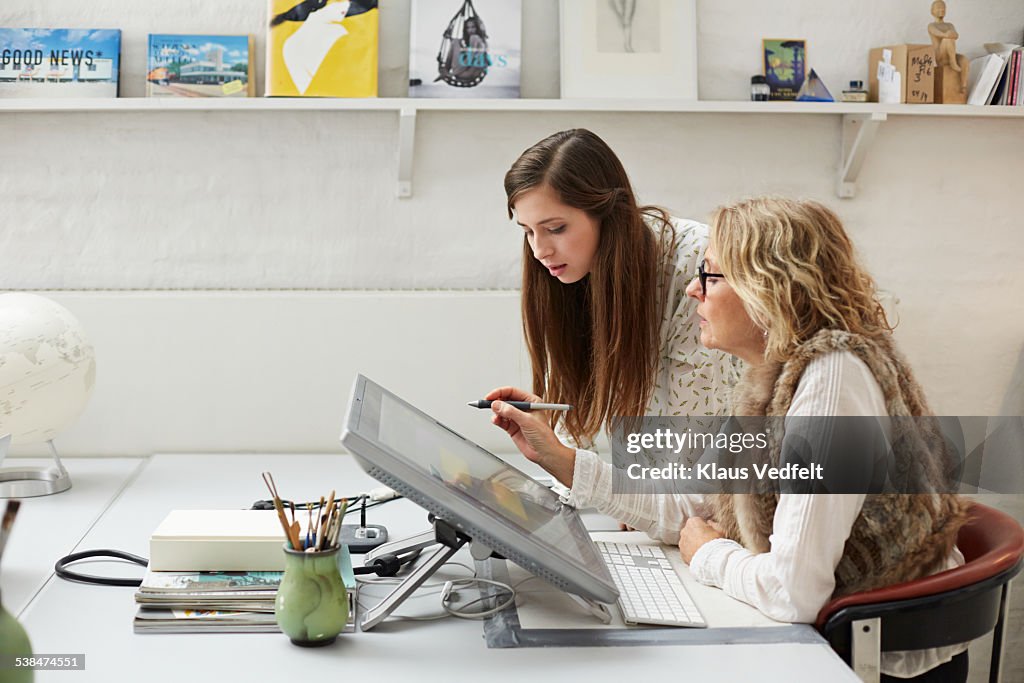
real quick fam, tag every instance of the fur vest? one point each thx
(896, 537)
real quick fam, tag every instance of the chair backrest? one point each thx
(950, 607)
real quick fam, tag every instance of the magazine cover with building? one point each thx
(200, 66)
(322, 48)
(465, 48)
(58, 62)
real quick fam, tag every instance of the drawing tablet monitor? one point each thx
(478, 493)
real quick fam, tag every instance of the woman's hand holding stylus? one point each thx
(531, 433)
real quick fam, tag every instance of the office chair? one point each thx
(950, 607)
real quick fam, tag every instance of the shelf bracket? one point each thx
(857, 135)
(406, 149)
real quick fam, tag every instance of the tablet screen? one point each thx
(474, 487)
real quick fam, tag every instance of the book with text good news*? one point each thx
(200, 66)
(465, 48)
(48, 62)
(322, 48)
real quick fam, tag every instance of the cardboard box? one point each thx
(916, 65)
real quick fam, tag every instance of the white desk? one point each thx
(49, 527)
(97, 621)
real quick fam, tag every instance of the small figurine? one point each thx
(951, 87)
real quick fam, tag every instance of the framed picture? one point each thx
(465, 48)
(629, 48)
(785, 65)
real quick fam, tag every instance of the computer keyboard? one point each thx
(650, 590)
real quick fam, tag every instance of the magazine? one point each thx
(465, 48)
(197, 582)
(48, 62)
(200, 66)
(203, 621)
(326, 48)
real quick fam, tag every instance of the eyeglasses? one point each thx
(703, 276)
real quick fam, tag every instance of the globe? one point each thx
(47, 368)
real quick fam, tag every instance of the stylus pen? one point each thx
(523, 405)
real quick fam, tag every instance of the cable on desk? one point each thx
(449, 591)
(68, 575)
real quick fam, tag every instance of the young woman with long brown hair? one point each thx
(607, 322)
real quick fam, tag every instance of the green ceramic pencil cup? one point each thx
(312, 604)
(13, 643)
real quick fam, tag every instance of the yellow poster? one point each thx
(322, 48)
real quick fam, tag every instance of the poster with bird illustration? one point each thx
(322, 48)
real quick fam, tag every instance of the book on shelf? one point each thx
(1008, 80)
(188, 65)
(48, 62)
(983, 78)
(322, 48)
(1011, 89)
(465, 48)
(784, 63)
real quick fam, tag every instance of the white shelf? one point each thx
(859, 125)
(130, 104)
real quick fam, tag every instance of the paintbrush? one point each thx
(339, 519)
(325, 523)
(292, 538)
(8, 521)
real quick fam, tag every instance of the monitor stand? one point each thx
(451, 541)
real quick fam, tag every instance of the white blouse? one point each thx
(795, 579)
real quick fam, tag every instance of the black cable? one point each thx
(269, 504)
(65, 573)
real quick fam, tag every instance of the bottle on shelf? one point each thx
(759, 89)
(855, 93)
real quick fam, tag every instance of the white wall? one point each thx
(272, 372)
(298, 200)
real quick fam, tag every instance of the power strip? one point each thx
(363, 539)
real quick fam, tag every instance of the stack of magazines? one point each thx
(207, 602)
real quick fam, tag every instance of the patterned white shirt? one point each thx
(691, 379)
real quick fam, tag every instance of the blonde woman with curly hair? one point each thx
(781, 288)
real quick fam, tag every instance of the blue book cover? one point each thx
(49, 62)
(187, 65)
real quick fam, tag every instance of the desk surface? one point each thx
(67, 618)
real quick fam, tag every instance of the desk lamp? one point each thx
(47, 373)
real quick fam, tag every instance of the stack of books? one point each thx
(997, 77)
(215, 602)
(207, 602)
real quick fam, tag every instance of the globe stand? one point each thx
(28, 482)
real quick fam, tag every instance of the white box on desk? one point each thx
(218, 540)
